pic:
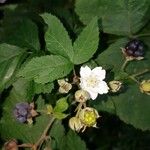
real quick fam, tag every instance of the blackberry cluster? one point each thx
(22, 112)
(135, 48)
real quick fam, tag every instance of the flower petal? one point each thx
(83, 83)
(98, 71)
(93, 95)
(102, 88)
(85, 71)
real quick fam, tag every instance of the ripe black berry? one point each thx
(138, 53)
(22, 112)
(134, 48)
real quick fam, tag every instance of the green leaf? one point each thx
(60, 115)
(24, 89)
(124, 17)
(133, 107)
(87, 43)
(8, 52)
(103, 104)
(56, 37)
(30, 88)
(12, 129)
(73, 142)
(57, 133)
(21, 32)
(61, 105)
(46, 68)
(43, 88)
(10, 60)
(113, 55)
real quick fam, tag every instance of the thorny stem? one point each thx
(26, 145)
(41, 139)
(124, 64)
(44, 134)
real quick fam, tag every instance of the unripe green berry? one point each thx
(88, 116)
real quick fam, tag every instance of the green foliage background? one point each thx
(42, 41)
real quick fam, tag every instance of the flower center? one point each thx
(92, 81)
(89, 118)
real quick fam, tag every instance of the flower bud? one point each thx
(115, 86)
(75, 124)
(11, 145)
(64, 86)
(88, 116)
(49, 109)
(82, 96)
(145, 87)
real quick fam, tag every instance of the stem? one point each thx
(26, 145)
(141, 35)
(124, 64)
(44, 134)
(75, 77)
(140, 73)
(84, 105)
(134, 79)
(74, 72)
(78, 109)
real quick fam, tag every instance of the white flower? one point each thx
(92, 81)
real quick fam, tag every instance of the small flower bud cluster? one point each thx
(90, 83)
(24, 112)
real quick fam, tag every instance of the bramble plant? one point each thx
(63, 64)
